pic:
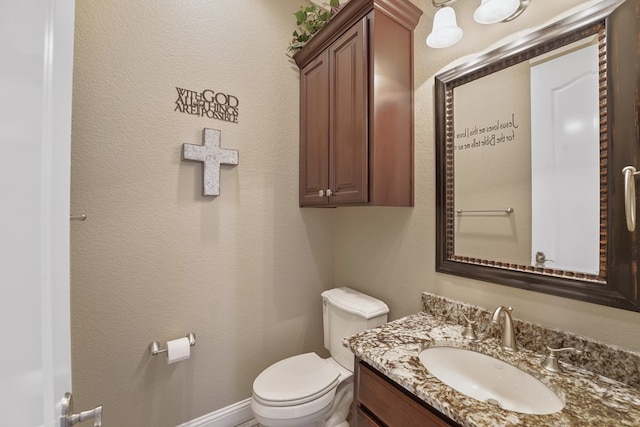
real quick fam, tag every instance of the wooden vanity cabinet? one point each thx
(378, 401)
(356, 107)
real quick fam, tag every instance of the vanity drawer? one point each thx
(389, 403)
(364, 420)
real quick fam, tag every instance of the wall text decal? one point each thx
(488, 134)
(212, 156)
(208, 103)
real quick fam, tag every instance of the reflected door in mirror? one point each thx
(565, 161)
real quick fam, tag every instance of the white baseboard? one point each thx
(229, 416)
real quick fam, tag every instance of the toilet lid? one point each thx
(295, 380)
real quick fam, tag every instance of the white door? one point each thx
(565, 161)
(36, 51)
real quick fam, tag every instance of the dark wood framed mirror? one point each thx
(531, 140)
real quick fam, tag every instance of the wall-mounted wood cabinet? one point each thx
(356, 107)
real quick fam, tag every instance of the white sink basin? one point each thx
(490, 380)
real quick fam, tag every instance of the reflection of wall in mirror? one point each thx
(493, 166)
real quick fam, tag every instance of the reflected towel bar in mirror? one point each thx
(507, 211)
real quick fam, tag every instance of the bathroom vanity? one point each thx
(600, 387)
(376, 398)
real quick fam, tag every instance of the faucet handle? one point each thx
(550, 363)
(469, 332)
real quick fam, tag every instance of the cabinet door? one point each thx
(348, 148)
(390, 404)
(314, 131)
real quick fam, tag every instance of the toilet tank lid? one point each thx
(355, 302)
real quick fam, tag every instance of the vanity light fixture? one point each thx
(445, 30)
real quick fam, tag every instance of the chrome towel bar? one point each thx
(507, 211)
(629, 173)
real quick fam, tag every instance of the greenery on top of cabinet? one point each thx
(310, 20)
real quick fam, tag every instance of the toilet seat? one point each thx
(295, 381)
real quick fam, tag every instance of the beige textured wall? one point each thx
(390, 253)
(155, 259)
(243, 271)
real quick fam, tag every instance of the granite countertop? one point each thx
(590, 399)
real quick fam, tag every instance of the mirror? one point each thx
(529, 154)
(526, 167)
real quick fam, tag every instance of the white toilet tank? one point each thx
(346, 312)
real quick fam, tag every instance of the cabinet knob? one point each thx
(321, 193)
(329, 193)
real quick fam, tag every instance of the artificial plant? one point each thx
(310, 20)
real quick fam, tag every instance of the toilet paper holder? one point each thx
(155, 349)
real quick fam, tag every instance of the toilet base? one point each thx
(308, 421)
(334, 415)
(341, 407)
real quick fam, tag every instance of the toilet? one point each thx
(306, 390)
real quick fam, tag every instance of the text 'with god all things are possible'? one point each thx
(208, 103)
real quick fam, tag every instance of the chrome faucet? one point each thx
(508, 334)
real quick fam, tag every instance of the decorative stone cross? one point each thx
(211, 156)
